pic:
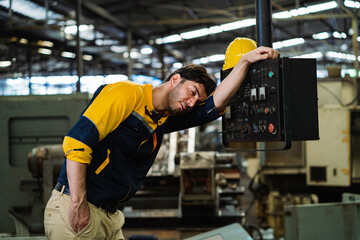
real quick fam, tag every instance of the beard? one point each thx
(174, 101)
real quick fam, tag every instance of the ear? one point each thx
(175, 80)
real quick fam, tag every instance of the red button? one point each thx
(271, 127)
(266, 110)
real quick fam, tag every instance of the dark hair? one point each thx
(196, 73)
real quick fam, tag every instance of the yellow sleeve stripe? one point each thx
(104, 164)
(76, 151)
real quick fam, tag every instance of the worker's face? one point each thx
(185, 95)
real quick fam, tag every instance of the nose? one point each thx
(192, 101)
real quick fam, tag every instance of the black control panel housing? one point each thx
(277, 100)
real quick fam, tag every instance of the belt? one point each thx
(107, 208)
(59, 187)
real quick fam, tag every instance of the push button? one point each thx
(271, 128)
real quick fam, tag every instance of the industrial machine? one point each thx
(325, 168)
(27, 122)
(210, 185)
(338, 221)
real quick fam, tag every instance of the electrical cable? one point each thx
(337, 98)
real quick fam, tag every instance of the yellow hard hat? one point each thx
(236, 49)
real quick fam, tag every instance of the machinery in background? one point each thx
(325, 168)
(210, 185)
(338, 221)
(205, 185)
(27, 122)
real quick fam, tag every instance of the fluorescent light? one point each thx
(358, 38)
(281, 15)
(177, 65)
(310, 55)
(215, 29)
(322, 7)
(70, 29)
(135, 55)
(172, 38)
(87, 57)
(305, 10)
(322, 35)
(238, 24)
(23, 41)
(115, 78)
(168, 39)
(195, 33)
(245, 23)
(212, 58)
(44, 51)
(352, 4)
(45, 43)
(5, 63)
(68, 54)
(339, 35)
(204, 60)
(344, 56)
(119, 49)
(277, 45)
(288, 43)
(103, 42)
(294, 12)
(302, 11)
(217, 57)
(73, 28)
(146, 50)
(292, 42)
(159, 41)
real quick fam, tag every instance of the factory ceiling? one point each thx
(151, 36)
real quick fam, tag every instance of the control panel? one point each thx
(275, 96)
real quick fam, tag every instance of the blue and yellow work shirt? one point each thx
(119, 135)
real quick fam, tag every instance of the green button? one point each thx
(271, 74)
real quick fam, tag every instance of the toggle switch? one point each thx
(253, 95)
(261, 93)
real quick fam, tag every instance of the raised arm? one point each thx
(233, 81)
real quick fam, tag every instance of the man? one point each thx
(113, 145)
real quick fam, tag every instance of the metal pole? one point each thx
(263, 23)
(354, 22)
(263, 38)
(10, 13)
(129, 45)
(79, 59)
(29, 62)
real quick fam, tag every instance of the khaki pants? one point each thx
(102, 225)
